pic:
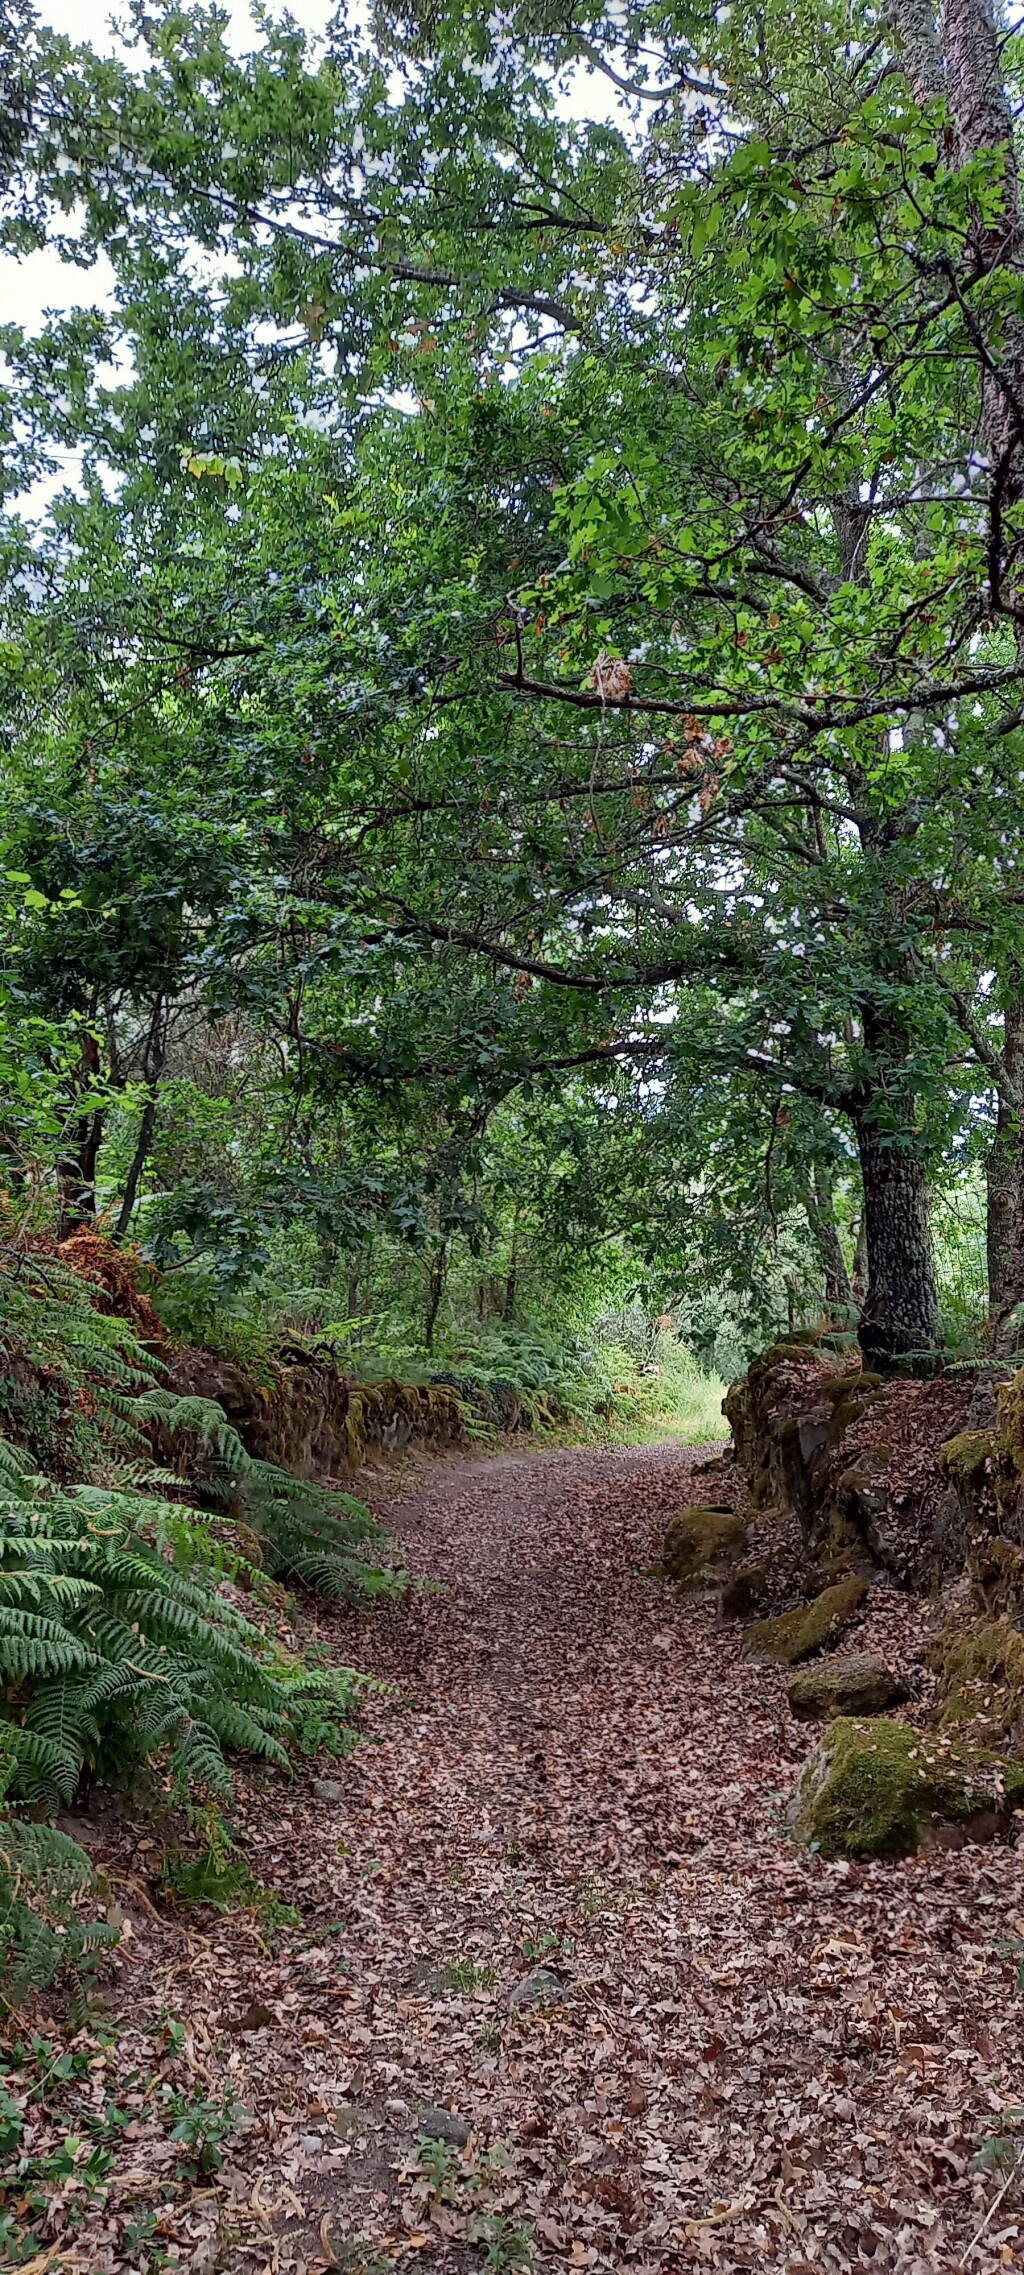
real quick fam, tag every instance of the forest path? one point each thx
(749, 2058)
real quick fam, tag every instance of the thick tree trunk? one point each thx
(920, 47)
(821, 1217)
(901, 1310)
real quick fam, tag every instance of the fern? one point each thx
(120, 1639)
(69, 1372)
(42, 1936)
(306, 1533)
(111, 1654)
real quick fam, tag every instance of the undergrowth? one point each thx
(138, 1541)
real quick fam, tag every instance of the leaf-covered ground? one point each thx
(743, 2057)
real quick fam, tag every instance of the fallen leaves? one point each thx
(755, 2060)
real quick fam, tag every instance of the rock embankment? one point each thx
(885, 1484)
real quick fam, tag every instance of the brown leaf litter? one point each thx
(739, 2057)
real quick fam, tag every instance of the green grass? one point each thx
(679, 1402)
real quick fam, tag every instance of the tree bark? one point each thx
(901, 1309)
(155, 1058)
(821, 1217)
(145, 1140)
(920, 48)
(435, 1290)
(76, 1171)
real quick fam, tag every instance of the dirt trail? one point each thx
(750, 2058)
(746, 2059)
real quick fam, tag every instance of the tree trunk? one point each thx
(145, 1140)
(438, 1276)
(821, 1217)
(1004, 1179)
(901, 1310)
(76, 1170)
(153, 1066)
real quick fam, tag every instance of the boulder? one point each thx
(744, 1593)
(857, 1683)
(885, 1789)
(799, 1634)
(696, 1540)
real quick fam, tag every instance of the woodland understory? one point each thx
(511, 931)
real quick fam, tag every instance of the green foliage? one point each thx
(43, 1936)
(68, 1372)
(112, 1655)
(506, 2244)
(200, 2127)
(305, 1532)
(461, 1975)
(557, 830)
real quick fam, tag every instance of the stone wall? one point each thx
(308, 1418)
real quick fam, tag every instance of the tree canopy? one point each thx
(519, 705)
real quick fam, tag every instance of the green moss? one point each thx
(966, 1457)
(983, 1683)
(696, 1538)
(798, 1634)
(851, 1383)
(996, 1569)
(1010, 1423)
(875, 1788)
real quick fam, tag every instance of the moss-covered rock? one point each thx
(967, 1456)
(884, 1789)
(744, 1593)
(799, 1634)
(995, 1568)
(310, 1419)
(985, 1469)
(781, 1388)
(697, 1541)
(854, 1382)
(857, 1683)
(983, 1685)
